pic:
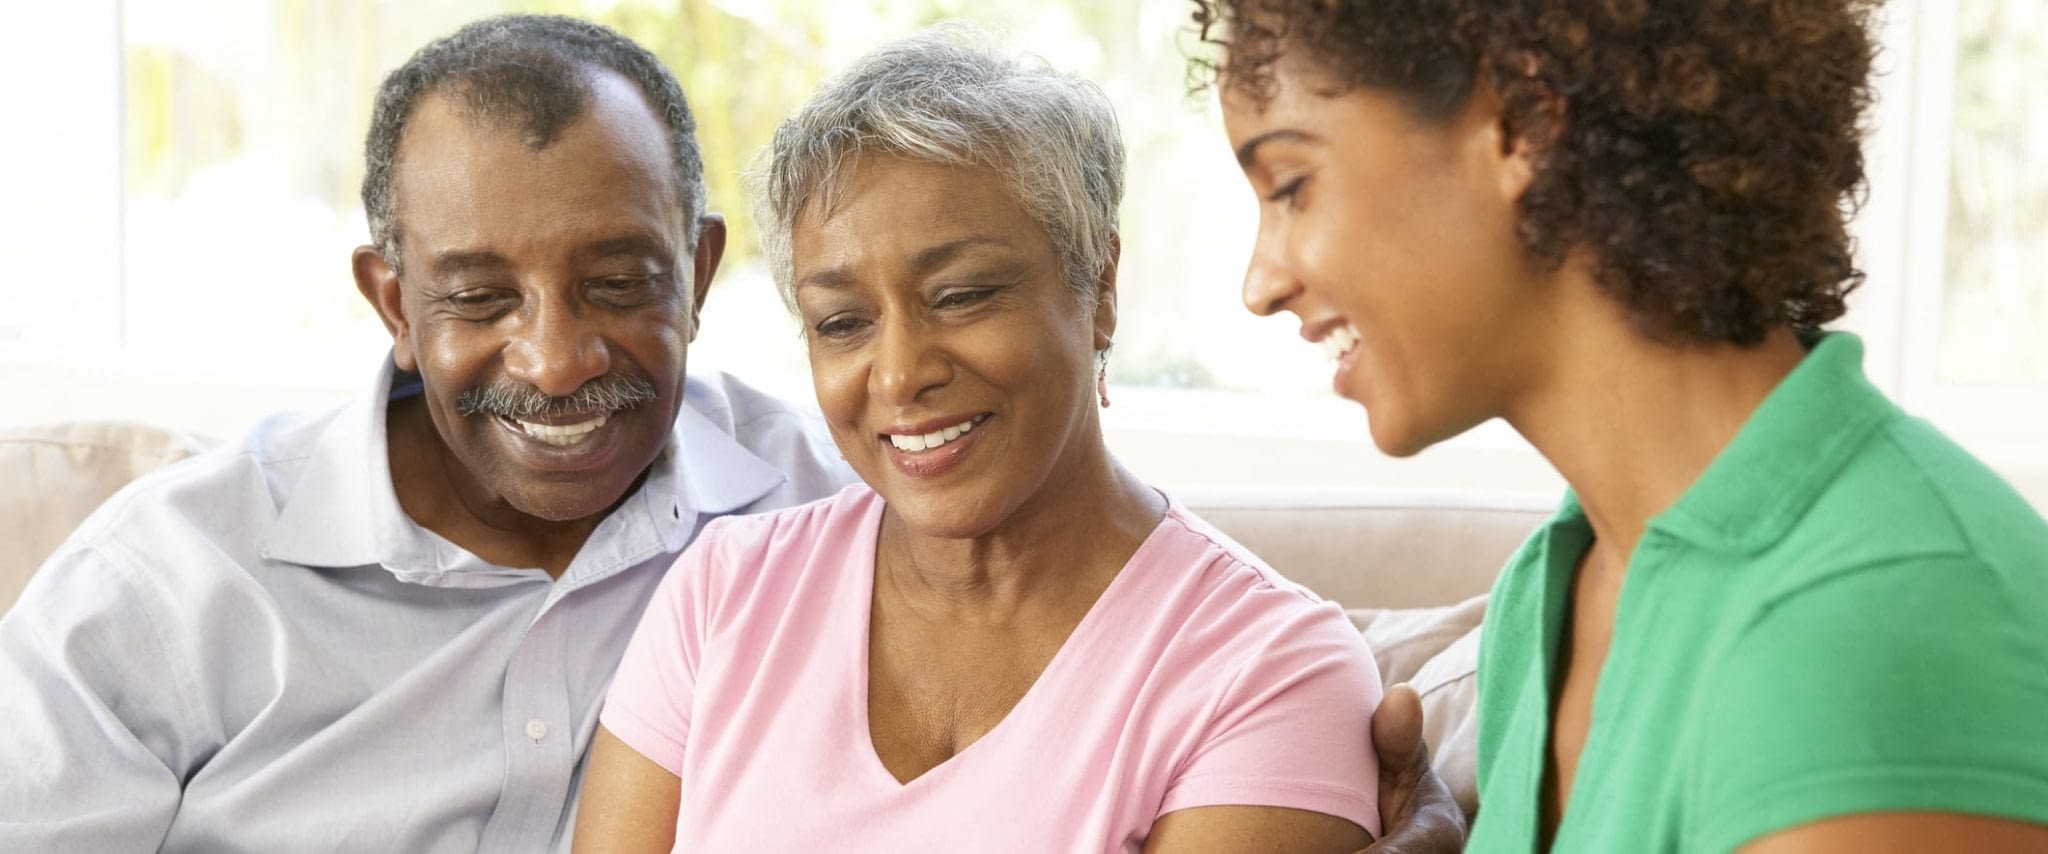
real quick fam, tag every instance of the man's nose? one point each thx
(557, 350)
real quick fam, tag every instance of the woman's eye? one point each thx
(962, 299)
(1288, 192)
(839, 326)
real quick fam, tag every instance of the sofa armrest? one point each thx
(52, 477)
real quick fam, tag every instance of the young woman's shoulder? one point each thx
(1893, 660)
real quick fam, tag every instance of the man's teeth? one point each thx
(561, 434)
(1339, 342)
(931, 440)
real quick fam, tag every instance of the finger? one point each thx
(1397, 733)
(1436, 826)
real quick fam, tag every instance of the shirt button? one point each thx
(536, 729)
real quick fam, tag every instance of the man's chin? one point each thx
(572, 503)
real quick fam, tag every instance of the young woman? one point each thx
(1775, 613)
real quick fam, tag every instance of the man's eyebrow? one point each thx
(452, 262)
(633, 244)
(1250, 148)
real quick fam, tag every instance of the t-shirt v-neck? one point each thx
(862, 598)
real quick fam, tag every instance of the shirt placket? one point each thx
(539, 732)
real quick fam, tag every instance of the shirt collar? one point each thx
(342, 511)
(1789, 450)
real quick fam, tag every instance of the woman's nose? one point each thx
(907, 363)
(1268, 284)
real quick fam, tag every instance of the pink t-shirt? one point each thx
(1200, 678)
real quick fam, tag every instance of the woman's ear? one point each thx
(1517, 118)
(378, 283)
(1105, 295)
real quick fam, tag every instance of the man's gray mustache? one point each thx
(608, 393)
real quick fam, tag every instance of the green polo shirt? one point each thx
(1846, 613)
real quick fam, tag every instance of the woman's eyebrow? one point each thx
(1250, 149)
(933, 257)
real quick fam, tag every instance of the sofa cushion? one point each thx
(1369, 548)
(56, 475)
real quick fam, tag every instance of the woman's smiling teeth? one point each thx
(917, 444)
(562, 435)
(1340, 341)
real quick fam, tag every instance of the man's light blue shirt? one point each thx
(258, 650)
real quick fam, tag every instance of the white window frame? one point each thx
(62, 350)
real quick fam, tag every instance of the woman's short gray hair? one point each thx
(946, 95)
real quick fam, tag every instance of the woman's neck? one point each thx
(1070, 537)
(1632, 423)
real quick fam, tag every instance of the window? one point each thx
(243, 158)
(195, 173)
(1994, 319)
(1973, 202)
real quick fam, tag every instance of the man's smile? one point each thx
(561, 434)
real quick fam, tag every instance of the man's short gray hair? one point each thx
(945, 95)
(531, 74)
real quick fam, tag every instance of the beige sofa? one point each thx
(1412, 568)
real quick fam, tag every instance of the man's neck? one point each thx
(436, 491)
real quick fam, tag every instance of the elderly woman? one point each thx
(1775, 613)
(1003, 641)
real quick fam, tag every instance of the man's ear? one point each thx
(378, 283)
(1105, 295)
(710, 249)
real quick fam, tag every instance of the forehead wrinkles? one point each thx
(898, 210)
(478, 193)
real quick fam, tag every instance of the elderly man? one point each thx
(388, 627)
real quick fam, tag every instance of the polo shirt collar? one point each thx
(1795, 443)
(343, 511)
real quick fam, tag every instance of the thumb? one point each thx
(1397, 732)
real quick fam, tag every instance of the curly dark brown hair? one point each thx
(1709, 152)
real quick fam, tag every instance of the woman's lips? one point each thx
(1340, 345)
(1340, 382)
(933, 434)
(937, 452)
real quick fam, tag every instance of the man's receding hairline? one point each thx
(509, 125)
(446, 93)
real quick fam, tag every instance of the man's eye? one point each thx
(624, 288)
(477, 300)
